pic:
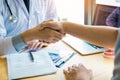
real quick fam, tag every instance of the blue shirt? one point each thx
(114, 18)
(40, 10)
(116, 72)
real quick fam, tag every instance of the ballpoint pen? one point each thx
(31, 56)
(27, 50)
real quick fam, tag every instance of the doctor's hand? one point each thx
(45, 35)
(36, 45)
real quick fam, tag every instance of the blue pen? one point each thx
(63, 60)
(29, 51)
(31, 56)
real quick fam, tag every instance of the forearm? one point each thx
(31, 34)
(99, 35)
(27, 36)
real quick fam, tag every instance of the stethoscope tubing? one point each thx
(8, 7)
(12, 18)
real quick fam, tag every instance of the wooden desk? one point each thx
(101, 67)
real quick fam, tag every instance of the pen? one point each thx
(31, 56)
(63, 60)
(30, 52)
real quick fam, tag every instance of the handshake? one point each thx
(45, 33)
(52, 31)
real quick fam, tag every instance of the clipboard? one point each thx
(20, 65)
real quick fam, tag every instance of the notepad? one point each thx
(22, 65)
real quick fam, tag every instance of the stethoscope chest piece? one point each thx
(13, 19)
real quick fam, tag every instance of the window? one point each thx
(101, 13)
(109, 2)
(71, 10)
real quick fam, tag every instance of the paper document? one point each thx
(21, 65)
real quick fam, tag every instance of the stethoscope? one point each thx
(12, 18)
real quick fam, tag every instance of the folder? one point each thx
(22, 65)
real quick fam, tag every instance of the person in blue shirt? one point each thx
(114, 18)
(19, 25)
(111, 39)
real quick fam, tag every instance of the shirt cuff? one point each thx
(18, 43)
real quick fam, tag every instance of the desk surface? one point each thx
(101, 67)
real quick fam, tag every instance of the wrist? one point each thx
(32, 34)
(64, 26)
(27, 36)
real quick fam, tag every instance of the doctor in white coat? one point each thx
(17, 21)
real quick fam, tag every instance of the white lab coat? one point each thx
(40, 10)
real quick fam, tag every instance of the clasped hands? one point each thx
(43, 34)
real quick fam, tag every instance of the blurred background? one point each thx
(85, 11)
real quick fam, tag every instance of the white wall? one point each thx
(109, 2)
(73, 10)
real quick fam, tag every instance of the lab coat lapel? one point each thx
(23, 7)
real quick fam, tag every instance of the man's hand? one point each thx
(52, 25)
(45, 35)
(36, 44)
(50, 36)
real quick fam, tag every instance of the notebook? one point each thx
(82, 47)
(22, 65)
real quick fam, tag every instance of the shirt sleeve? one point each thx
(51, 10)
(6, 44)
(18, 43)
(116, 72)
